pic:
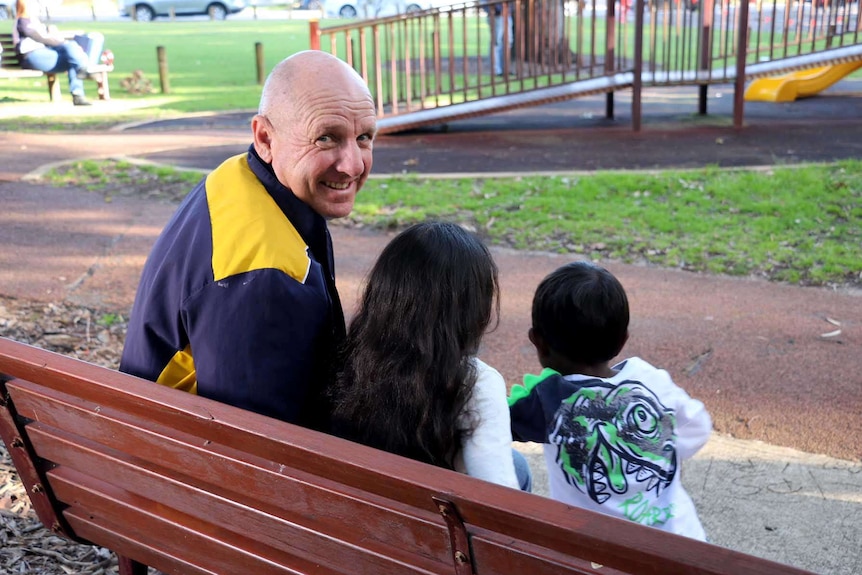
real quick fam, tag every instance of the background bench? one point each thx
(10, 67)
(193, 486)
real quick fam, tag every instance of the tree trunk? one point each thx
(543, 34)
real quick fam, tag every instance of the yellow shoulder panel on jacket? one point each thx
(249, 230)
(180, 372)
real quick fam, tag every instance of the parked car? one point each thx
(146, 10)
(378, 8)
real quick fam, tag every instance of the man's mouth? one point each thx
(338, 185)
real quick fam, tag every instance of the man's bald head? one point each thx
(301, 74)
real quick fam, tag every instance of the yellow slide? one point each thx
(801, 84)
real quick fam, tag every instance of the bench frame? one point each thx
(11, 68)
(192, 486)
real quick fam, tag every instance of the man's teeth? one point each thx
(338, 185)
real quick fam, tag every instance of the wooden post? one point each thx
(258, 54)
(610, 54)
(164, 81)
(314, 34)
(53, 88)
(637, 84)
(707, 9)
(741, 56)
(173, 13)
(93, 10)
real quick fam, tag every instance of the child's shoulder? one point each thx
(638, 369)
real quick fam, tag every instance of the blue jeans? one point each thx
(501, 39)
(67, 57)
(92, 43)
(522, 470)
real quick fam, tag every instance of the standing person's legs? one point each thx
(496, 23)
(502, 34)
(509, 39)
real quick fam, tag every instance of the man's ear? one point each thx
(262, 130)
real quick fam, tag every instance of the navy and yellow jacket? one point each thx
(237, 300)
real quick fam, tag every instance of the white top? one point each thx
(486, 453)
(633, 493)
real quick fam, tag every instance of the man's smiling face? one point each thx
(318, 134)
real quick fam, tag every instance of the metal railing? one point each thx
(441, 63)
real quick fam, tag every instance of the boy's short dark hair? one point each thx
(582, 312)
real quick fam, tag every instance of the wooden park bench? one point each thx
(192, 486)
(10, 67)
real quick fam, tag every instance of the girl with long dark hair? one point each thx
(411, 382)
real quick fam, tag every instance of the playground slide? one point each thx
(800, 84)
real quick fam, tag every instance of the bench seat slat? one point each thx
(19, 73)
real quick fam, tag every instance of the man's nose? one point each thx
(351, 161)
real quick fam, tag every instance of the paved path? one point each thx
(751, 350)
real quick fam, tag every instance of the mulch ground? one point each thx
(26, 547)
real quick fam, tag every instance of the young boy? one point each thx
(614, 436)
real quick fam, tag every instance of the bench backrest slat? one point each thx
(213, 484)
(125, 542)
(9, 57)
(200, 542)
(200, 482)
(493, 556)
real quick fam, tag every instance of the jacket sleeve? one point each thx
(527, 409)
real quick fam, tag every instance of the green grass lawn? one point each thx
(798, 225)
(212, 66)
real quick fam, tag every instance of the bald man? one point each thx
(237, 301)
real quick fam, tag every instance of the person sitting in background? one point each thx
(45, 49)
(411, 383)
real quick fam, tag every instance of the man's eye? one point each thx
(324, 139)
(364, 138)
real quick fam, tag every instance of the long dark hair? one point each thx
(408, 369)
